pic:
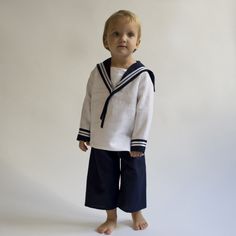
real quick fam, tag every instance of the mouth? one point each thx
(122, 46)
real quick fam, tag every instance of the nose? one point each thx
(123, 38)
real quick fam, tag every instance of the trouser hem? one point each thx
(114, 207)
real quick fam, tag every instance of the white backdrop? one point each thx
(47, 50)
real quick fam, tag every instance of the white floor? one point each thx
(27, 209)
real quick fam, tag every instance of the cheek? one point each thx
(110, 40)
(113, 41)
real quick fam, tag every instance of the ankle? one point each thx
(112, 215)
(136, 213)
(111, 218)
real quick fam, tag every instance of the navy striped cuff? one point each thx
(83, 135)
(138, 145)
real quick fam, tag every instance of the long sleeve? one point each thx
(85, 121)
(144, 111)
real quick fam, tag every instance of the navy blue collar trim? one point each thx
(132, 73)
(104, 69)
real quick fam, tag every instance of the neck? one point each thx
(122, 62)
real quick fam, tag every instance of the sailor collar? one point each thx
(131, 73)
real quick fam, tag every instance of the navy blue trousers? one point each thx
(115, 179)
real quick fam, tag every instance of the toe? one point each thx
(100, 230)
(145, 225)
(108, 232)
(136, 227)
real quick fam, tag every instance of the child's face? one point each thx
(122, 38)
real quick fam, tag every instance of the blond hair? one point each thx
(119, 14)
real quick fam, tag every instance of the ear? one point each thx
(138, 43)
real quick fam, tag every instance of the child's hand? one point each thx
(83, 145)
(136, 154)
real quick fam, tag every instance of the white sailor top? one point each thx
(118, 118)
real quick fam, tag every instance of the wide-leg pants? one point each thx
(115, 179)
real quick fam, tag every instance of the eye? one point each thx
(131, 34)
(115, 34)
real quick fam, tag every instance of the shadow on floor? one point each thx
(27, 204)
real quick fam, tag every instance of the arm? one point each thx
(84, 132)
(143, 119)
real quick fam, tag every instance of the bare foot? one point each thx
(109, 225)
(139, 223)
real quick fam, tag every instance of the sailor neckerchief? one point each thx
(131, 73)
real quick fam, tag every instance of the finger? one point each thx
(83, 147)
(134, 155)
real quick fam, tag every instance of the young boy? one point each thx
(115, 122)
